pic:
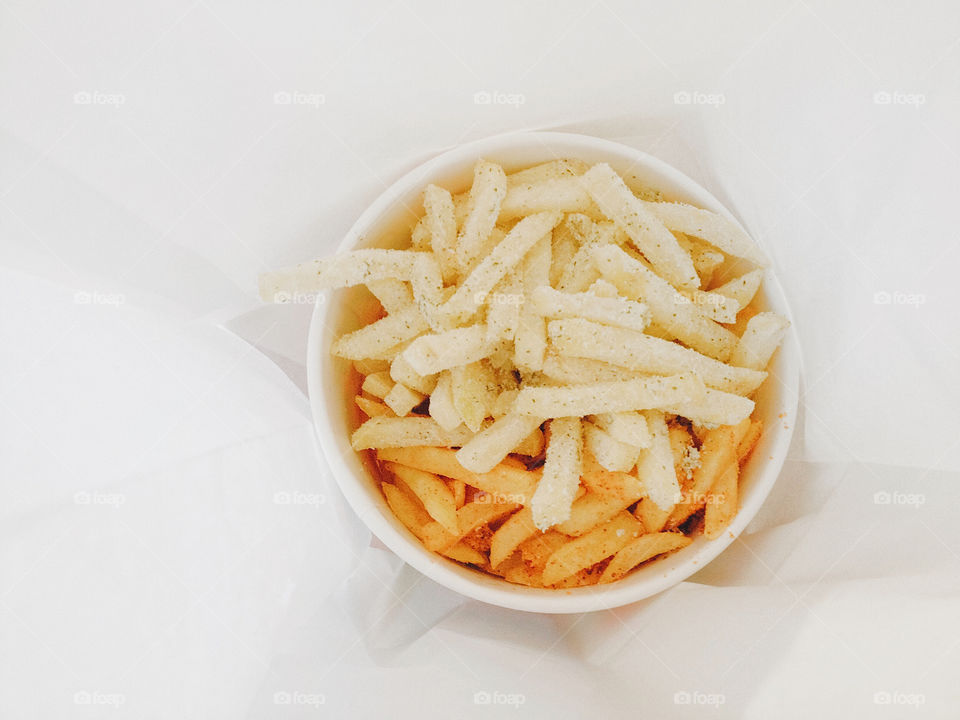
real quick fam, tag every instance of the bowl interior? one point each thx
(332, 384)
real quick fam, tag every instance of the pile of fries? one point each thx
(558, 387)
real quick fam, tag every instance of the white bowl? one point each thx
(386, 223)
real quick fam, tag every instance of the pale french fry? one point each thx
(487, 448)
(406, 509)
(474, 390)
(686, 456)
(716, 307)
(506, 481)
(655, 466)
(581, 270)
(504, 402)
(517, 528)
(627, 427)
(442, 226)
(592, 510)
(719, 450)
(503, 313)
(742, 289)
(580, 400)
(668, 308)
(357, 267)
(377, 384)
(715, 408)
(706, 260)
(394, 295)
(401, 372)
(646, 231)
(612, 454)
(371, 408)
(760, 340)
(619, 312)
(722, 502)
(589, 549)
(530, 341)
(643, 353)
(561, 473)
(381, 335)
(560, 194)
(437, 498)
(442, 408)
(601, 288)
(547, 171)
(387, 432)
(566, 239)
(472, 293)
(401, 399)
(569, 370)
(486, 195)
(420, 237)
(717, 230)
(640, 550)
(429, 354)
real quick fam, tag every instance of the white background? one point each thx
(151, 410)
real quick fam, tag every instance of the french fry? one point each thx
(401, 372)
(561, 473)
(623, 486)
(387, 432)
(482, 512)
(472, 292)
(394, 295)
(706, 260)
(760, 340)
(749, 441)
(532, 445)
(437, 498)
(401, 399)
(537, 549)
(569, 370)
(620, 312)
(507, 480)
(611, 454)
(371, 408)
(442, 226)
(459, 490)
(486, 195)
(429, 354)
(381, 335)
(717, 230)
(564, 167)
(742, 289)
(592, 510)
(591, 548)
(719, 450)
(593, 398)
(517, 528)
(721, 503)
(530, 341)
(669, 309)
(368, 366)
(655, 466)
(474, 391)
(642, 353)
(518, 572)
(442, 408)
(640, 550)
(461, 552)
(487, 448)
(406, 509)
(646, 231)
(503, 314)
(420, 237)
(627, 427)
(567, 238)
(713, 305)
(557, 194)
(651, 515)
(357, 267)
(377, 384)
(715, 408)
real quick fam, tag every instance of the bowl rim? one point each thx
(478, 585)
